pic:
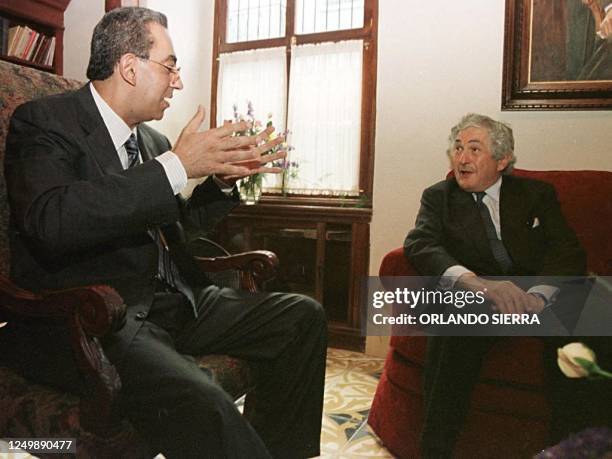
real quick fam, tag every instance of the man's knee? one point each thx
(202, 405)
(207, 397)
(311, 310)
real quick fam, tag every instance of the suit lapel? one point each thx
(465, 213)
(98, 142)
(173, 232)
(513, 209)
(145, 145)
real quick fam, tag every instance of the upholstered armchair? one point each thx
(83, 316)
(509, 415)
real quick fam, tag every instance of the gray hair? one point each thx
(500, 136)
(121, 31)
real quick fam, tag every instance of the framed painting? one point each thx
(112, 4)
(557, 55)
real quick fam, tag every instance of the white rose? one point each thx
(569, 366)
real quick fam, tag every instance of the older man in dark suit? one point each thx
(93, 190)
(483, 222)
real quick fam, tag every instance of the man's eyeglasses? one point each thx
(174, 71)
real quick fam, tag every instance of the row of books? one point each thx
(4, 30)
(24, 43)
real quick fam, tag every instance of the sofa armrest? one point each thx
(87, 313)
(395, 263)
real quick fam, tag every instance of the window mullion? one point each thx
(290, 19)
(287, 89)
(290, 30)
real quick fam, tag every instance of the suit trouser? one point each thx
(183, 413)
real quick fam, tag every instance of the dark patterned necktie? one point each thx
(497, 246)
(131, 148)
(167, 270)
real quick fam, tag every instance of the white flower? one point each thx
(566, 359)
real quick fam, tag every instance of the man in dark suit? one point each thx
(90, 186)
(484, 222)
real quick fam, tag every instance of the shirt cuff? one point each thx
(608, 8)
(548, 292)
(177, 176)
(226, 188)
(451, 275)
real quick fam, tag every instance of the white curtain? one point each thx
(257, 76)
(325, 117)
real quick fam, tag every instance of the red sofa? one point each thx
(509, 413)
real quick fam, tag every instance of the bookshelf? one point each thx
(39, 26)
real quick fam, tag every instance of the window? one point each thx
(311, 64)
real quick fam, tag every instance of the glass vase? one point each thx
(250, 189)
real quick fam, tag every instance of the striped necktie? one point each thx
(167, 270)
(131, 148)
(497, 246)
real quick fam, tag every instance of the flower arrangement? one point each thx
(250, 187)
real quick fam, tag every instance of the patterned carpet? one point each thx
(350, 384)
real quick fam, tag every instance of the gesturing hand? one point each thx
(214, 151)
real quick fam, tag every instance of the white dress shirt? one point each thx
(120, 133)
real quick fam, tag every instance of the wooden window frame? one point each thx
(368, 33)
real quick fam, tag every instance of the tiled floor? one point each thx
(350, 384)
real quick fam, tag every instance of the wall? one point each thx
(80, 18)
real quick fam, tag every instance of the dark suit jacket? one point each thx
(450, 231)
(77, 217)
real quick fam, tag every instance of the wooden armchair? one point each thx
(81, 316)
